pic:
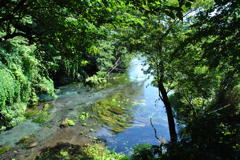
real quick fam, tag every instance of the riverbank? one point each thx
(116, 116)
(70, 104)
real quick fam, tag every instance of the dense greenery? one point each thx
(45, 41)
(191, 46)
(67, 151)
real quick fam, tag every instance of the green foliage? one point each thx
(197, 57)
(42, 42)
(146, 152)
(96, 80)
(74, 152)
(98, 152)
(21, 79)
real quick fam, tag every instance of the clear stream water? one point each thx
(75, 99)
(140, 132)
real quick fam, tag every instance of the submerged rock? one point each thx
(28, 142)
(32, 145)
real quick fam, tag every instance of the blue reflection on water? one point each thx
(140, 132)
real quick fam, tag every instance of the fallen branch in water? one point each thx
(161, 140)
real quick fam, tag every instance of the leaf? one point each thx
(188, 4)
(180, 2)
(170, 14)
(179, 15)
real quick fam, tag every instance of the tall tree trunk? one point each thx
(163, 95)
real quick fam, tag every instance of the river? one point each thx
(118, 115)
(140, 131)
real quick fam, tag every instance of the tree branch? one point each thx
(161, 140)
(114, 66)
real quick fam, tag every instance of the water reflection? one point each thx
(140, 130)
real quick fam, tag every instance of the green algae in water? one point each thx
(116, 111)
(42, 117)
(84, 116)
(116, 79)
(26, 141)
(119, 79)
(39, 116)
(4, 149)
(67, 122)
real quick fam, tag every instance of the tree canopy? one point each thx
(192, 48)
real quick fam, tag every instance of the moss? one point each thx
(37, 115)
(67, 122)
(117, 79)
(42, 117)
(47, 106)
(84, 116)
(26, 141)
(70, 122)
(4, 149)
(30, 113)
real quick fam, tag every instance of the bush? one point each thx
(21, 80)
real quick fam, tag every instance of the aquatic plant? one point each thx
(67, 122)
(84, 116)
(27, 141)
(4, 149)
(39, 115)
(115, 111)
(70, 122)
(99, 152)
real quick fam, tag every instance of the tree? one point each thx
(44, 41)
(161, 20)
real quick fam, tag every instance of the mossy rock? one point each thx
(70, 122)
(39, 116)
(67, 122)
(27, 141)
